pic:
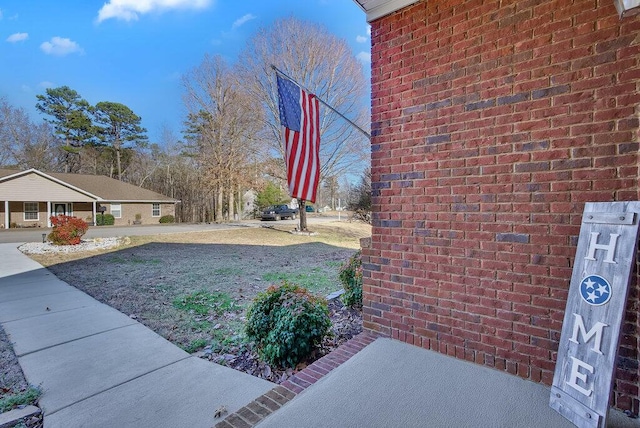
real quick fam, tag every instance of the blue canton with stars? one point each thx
(289, 104)
(595, 290)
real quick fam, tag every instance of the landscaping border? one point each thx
(263, 406)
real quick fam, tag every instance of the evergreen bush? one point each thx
(105, 220)
(167, 219)
(286, 323)
(351, 278)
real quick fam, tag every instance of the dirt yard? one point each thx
(193, 288)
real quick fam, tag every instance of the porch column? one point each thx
(48, 213)
(94, 212)
(6, 214)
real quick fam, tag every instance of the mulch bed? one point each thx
(12, 380)
(346, 324)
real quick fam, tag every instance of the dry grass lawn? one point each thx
(192, 288)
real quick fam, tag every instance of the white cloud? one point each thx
(25, 88)
(128, 10)
(364, 57)
(246, 18)
(216, 42)
(362, 39)
(46, 84)
(60, 46)
(10, 18)
(17, 37)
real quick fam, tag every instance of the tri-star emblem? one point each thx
(595, 290)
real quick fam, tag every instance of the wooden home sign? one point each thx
(595, 309)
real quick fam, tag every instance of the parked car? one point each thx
(277, 212)
(308, 208)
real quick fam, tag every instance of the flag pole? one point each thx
(277, 70)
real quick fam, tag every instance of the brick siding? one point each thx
(129, 210)
(493, 123)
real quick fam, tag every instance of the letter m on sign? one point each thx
(595, 308)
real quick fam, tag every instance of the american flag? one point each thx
(300, 120)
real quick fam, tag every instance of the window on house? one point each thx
(155, 210)
(116, 210)
(31, 211)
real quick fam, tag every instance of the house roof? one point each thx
(100, 187)
(378, 8)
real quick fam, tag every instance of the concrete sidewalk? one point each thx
(392, 384)
(100, 368)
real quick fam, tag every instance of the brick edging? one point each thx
(254, 412)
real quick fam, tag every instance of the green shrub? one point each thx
(105, 219)
(286, 323)
(351, 277)
(12, 401)
(67, 230)
(167, 219)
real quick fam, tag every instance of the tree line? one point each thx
(230, 141)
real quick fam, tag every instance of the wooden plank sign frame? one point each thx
(595, 309)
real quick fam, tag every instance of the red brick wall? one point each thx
(493, 122)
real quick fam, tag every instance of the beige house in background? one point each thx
(28, 198)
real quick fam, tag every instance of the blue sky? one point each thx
(134, 51)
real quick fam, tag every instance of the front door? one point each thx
(59, 209)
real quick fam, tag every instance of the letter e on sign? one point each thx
(577, 375)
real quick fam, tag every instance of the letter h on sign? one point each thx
(597, 298)
(609, 248)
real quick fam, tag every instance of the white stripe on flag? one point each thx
(301, 150)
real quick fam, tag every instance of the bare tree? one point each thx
(24, 144)
(10, 118)
(166, 168)
(144, 163)
(360, 197)
(323, 64)
(221, 128)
